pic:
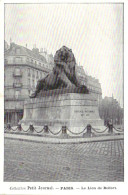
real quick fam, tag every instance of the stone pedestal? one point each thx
(69, 109)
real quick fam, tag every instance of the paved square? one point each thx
(95, 161)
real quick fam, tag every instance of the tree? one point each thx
(110, 110)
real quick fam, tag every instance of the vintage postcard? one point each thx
(63, 68)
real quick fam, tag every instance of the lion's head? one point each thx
(64, 59)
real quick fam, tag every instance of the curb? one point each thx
(41, 139)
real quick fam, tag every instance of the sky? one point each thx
(94, 32)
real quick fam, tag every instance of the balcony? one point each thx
(17, 74)
(17, 85)
(28, 63)
(14, 98)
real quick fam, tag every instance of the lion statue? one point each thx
(63, 74)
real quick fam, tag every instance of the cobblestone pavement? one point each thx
(95, 161)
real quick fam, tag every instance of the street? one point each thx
(95, 161)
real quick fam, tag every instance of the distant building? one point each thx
(92, 84)
(110, 109)
(95, 87)
(23, 68)
(48, 57)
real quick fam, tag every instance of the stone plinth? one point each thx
(70, 109)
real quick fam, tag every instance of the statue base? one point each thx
(69, 109)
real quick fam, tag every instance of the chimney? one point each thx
(35, 50)
(12, 44)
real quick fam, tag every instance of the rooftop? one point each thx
(23, 51)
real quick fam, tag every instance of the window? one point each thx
(18, 50)
(29, 81)
(6, 61)
(17, 80)
(33, 75)
(17, 71)
(33, 84)
(37, 73)
(31, 72)
(18, 59)
(28, 71)
(17, 94)
(40, 75)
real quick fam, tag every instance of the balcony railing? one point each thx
(17, 85)
(17, 74)
(44, 67)
(13, 97)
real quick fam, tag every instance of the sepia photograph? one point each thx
(64, 93)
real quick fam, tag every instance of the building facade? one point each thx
(92, 84)
(23, 68)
